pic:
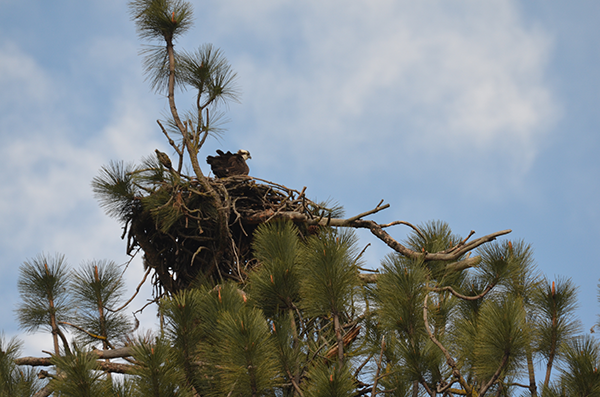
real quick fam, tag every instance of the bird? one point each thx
(229, 164)
(164, 159)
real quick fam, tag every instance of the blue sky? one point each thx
(481, 114)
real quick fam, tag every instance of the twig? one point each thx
(361, 366)
(278, 185)
(373, 211)
(464, 297)
(461, 243)
(134, 295)
(416, 229)
(374, 391)
(494, 378)
(146, 305)
(103, 338)
(298, 390)
(361, 254)
(449, 360)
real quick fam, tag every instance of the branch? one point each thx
(464, 264)
(368, 278)
(465, 297)
(135, 294)
(373, 211)
(416, 229)
(46, 361)
(374, 390)
(494, 378)
(449, 360)
(377, 230)
(103, 338)
(44, 392)
(296, 387)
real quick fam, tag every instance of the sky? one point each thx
(482, 114)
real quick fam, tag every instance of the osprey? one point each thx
(229, 164)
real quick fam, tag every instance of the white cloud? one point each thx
(400, 83)
(46, 201)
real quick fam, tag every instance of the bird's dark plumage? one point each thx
(229, 164)
(164, 159)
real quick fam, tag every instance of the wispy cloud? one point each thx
(399, 83)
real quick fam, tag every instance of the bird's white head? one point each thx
(244, 153)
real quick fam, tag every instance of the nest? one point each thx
(180, 229)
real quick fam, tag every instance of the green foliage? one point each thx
(157, 373)
(556, 303)
(160, 19)
(97, 287)
(245, 355)
(182, 328)
(330, 381)
(230, 338)
(208, 71)
(400, 294)
(502, 335)
(42, 284)
(514, 265)
(435, 236)
(15, 381)
(115, 190)
(579, 375)
(79, 375)
(281, 335)
(330, 273)
(275, 284)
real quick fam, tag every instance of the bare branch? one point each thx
(464, 264)
(171, 142)
(465, 297)
(368, 278)
(494, 378)
(44, 392)
(449, 360)
(373, 211)
(416, 229)
(102, 354)
(374, 390)
(377, 230)
(135, 294)
(103, 338)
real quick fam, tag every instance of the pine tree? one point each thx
(262, 292)
(43, 286)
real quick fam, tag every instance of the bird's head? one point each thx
(244, 153)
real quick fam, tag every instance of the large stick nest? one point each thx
(177, 227)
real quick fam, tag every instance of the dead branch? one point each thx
(368, 278)
(464, 297)
(137, 290)
(47, 362)
(462, 265)
(102, 354)
(373, 211)
(378, 232)
(44, 392)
